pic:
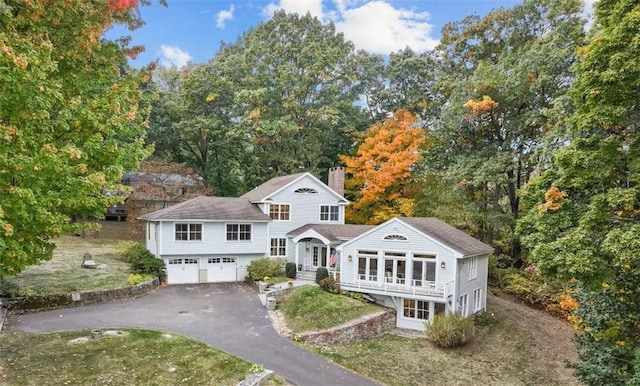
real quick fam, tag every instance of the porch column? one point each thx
(328, 256)
(296, 247)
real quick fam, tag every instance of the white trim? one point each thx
(310, 233)
(188, 232)
(226, 240)
(307, 174)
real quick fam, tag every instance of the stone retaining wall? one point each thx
(358, 330)
(41, 302)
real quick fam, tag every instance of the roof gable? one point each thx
(267, 190)
(437, 230)
(211, 209)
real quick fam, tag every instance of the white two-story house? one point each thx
(419, 266)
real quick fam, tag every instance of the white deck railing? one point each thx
(398, 286)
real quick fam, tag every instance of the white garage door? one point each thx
(221, 269)
(182, 271)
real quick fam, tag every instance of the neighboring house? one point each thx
(152, 191)
(420, 266)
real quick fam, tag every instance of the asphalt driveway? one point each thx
(226, 316)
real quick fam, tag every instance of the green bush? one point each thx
(449, 330)
(260, 268)
(141, 260)
(530, 287)
(321, 273)
(290, 270)
(330, 285)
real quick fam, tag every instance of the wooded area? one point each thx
(521, 128)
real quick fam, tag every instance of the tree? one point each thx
(296, 82)
(583, 220)
(381, 171)
(72, 119)
(496, 91)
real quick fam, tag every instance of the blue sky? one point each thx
(191, 30)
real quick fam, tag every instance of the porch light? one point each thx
(442, 265)
(349, 258)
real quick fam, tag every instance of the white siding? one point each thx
(152, 239)
(416, 244)
(467, 285)
(213, 240)
(304, 207)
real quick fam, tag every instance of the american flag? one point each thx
(333, 259)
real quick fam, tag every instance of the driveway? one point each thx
(226, 316)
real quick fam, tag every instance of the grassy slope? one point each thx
(309, 308)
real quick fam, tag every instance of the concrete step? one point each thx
(306, 275)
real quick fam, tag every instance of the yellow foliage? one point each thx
(482, 106)
(553, 200)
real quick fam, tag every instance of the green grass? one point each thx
(64, 273)
(140, 357)
(309, 308)
(502, 353)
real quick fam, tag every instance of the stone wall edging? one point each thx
(370, 326)
(52, 301)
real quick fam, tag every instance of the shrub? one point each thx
(531, 287)
(141, 260)
(321, 273)
(290, 270)
(449, 330)
(330, 285)
(260, 268)
(134, 278)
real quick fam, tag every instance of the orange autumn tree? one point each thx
(380, 172)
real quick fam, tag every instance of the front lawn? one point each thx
(137, 357)
(64, 273)
(515, 346)
(309, 308)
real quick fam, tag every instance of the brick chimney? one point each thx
(336, 179)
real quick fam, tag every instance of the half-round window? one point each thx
(306, 191)
(395, 237)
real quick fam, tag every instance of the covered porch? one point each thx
(315, 245)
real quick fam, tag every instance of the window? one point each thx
(424, 270)
(278, 247)
(329, 213)
(472, 268)
(477, 300)
(188, 232)
(368, 265)
(395, 237)
(394, 267)
(416, 309)
(463, 305)
(175, 261)
(279, 212)
(238, 232)
(305, 191)
(214, 260)
(191, 261)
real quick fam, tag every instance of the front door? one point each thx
(318, 256)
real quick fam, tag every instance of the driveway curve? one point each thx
(226, 316)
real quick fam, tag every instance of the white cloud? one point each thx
(380, 28)
(174, 56)
(375, 26)
(223, 16)
(300, 7)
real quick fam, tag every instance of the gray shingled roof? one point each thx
(448, 235)
(270, 187)
(210, 208)
(333, 232)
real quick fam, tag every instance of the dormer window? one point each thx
(305, 191)
(395, 237)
